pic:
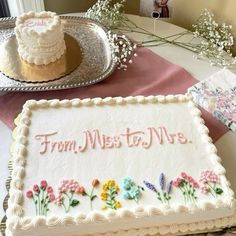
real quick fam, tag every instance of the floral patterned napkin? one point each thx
(217, 95)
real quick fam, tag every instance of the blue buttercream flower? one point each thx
(126, 195)
(127, 183)
(134, 192)
(150, 186)
(168, 187)
(162, 180)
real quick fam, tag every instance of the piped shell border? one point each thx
(15, 212)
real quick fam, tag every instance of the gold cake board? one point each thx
(12, 66)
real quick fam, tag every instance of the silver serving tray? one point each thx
(96, 65)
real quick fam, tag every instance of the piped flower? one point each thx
(41, 197)
(165, 189)
(108, 195)
(210, 183)
(131, 190)
(66, 192)
(29, 194)
(90, 194)
(162, 181)
(187, 186)
(43, 184)
(150, 186)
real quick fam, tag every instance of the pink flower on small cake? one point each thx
(210, 183)
(41, 197)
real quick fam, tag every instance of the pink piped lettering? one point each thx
(95, 139)
(45, 143)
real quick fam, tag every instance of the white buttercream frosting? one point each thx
(111, 115)
(40, 37)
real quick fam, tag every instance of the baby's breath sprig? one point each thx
(107, 12)
(122, 50)
(209, 39)
(216, 40)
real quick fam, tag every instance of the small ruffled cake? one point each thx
(40, 37)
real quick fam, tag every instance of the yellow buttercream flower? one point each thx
(105, 186)
(111, 182)
(116, 188)
(117, 204)
(103, 196)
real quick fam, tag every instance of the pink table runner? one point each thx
(149, 74)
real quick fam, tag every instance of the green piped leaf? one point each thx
(74, 203)
(219, 191)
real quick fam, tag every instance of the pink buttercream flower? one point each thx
(208, 176)
(44, 184)
(69, 185)
(36, 188)
(204, 189)
(178, 181)
(183, 175)
(51, 197)
(49, 189)
(195, 184)
(190, 179)
(58, 200)
(29, 194)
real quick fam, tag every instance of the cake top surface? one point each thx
(39, 23)
(135, 155)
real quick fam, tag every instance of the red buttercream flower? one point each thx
(95, 182)
(36, 188)
(51, 197)
(29, 194)
(44, 184)
(49, 189)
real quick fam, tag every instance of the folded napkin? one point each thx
(149, 74)
(217, 95)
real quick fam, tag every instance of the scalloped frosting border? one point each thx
(15, 212)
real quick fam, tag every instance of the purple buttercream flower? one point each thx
(162, 181)
(150, 186)
(168, 187)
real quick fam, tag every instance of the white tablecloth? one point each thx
(200, 69)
